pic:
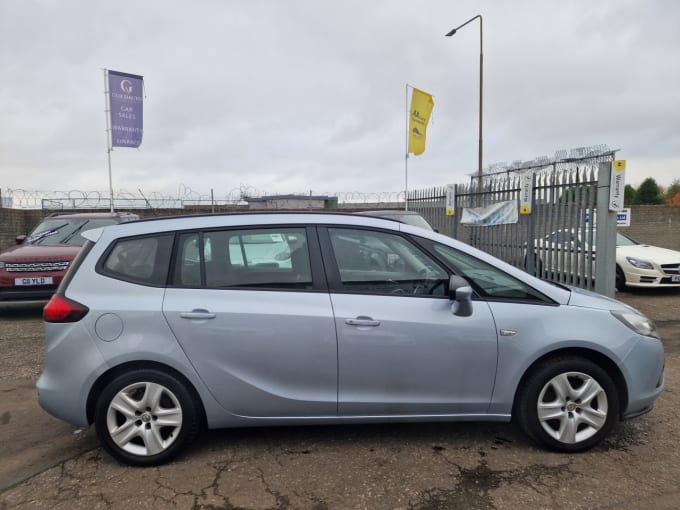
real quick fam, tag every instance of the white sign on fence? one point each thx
(622, 217)
(526, 189)
(450, 199)
(617, 185)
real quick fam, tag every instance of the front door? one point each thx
(401, 351)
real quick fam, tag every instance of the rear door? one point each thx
(251, 309)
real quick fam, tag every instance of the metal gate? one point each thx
(557, 240)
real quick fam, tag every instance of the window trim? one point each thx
(335, 284)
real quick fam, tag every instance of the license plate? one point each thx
(675, 278)
(41, 280)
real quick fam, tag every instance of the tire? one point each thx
(620, 279)
(568, 404)
(146, 417)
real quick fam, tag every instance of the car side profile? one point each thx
(299, 318)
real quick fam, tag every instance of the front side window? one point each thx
(140, 259)
(371, 262)
(487, 280)
(262, 258)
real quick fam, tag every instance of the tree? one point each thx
(672, 195)
(648, 192)
(629, 195)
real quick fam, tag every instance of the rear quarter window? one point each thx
(143, 260)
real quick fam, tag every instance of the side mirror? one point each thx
(20, 239)
(460, 293)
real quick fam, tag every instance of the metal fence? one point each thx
(557, 240)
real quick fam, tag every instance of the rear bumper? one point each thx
(72, 364)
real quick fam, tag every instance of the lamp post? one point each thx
(481, 86)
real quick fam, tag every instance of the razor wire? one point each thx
(18, 198)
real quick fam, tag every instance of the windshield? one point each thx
(415, 220)
(65, 230)
(622, 240)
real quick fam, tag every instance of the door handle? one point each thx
(362, 320)
(198, 314)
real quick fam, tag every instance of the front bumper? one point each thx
(650, 278)
(27, 294)
(643, 369)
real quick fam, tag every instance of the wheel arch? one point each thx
(596, 357)
(129, 366)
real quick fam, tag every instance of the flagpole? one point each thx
(406, 157)
(107, 112)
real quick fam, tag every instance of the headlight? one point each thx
(638, 323)
(639, 263)
(2, 265)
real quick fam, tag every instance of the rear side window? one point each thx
(142, 260)
(263, 258)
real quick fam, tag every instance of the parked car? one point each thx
(34, 268)
(300, 318)
(637, 264)
(643, 265)
(410, 217)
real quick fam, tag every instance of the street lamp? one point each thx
(481, 86)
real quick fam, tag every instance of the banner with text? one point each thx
(419, 116)
(500, 213)
(126, 101)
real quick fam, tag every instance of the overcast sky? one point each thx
(297, 95)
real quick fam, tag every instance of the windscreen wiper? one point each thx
(46, 233)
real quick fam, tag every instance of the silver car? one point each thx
(163, 327)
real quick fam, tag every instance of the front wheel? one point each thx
(145, 417)
(568, 404)
(620, 279)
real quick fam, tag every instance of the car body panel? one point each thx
(265, 354)
(417, 360)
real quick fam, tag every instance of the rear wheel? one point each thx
(568, 404)
(145, 417)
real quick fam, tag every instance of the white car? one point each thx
(642, 265)
(637, 264)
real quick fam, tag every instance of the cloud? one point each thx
(306, 95)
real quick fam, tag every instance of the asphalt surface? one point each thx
(49, 464)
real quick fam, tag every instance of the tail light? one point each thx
(63, 309)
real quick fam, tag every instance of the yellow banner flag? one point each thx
(421, 108)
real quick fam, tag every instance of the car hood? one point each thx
(39, 253)
(588, 299)
(650, 253)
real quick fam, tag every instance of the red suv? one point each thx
(34, 268)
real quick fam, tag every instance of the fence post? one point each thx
(605, 241)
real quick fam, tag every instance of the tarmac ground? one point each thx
(47, 464)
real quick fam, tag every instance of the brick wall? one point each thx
(658, 225)
(652, 224)
(14, 222)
